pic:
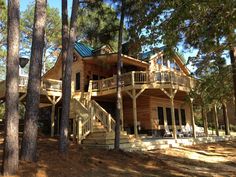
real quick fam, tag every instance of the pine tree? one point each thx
(11, 147)
(29, 141)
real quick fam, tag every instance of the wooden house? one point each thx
(154, 91)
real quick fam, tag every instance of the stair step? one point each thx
(103, 141)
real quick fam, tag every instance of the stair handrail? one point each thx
(84, 122)
(102, 115)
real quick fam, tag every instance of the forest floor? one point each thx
(213, 159)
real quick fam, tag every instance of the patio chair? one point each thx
(200, 131)
(167, 132)
(186, 131)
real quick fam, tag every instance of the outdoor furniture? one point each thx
(167, 132)
(186, 131)
(200, 131)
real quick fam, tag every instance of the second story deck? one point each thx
(49, 87)
(143, 80)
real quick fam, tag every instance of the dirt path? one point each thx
(201, 160)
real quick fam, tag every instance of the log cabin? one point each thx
(154, 92)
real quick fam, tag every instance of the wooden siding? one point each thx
(147, 111)
(143, 112)
(165, 103)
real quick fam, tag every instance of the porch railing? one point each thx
(103, 116)
(46, 84)
(143, 77)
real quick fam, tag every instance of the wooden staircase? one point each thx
(100, 137)
(94, 126)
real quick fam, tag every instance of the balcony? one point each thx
(48, 86)
(141, 79)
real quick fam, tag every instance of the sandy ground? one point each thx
(215, 159)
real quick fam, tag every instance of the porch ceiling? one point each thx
(180, 95)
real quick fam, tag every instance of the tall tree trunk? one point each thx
(232, 54)
(29, 141)
(205, 122)
(216, 120)
(11, 146)
(66, 82)
(226, 118)
(118, 81)
(65, 35)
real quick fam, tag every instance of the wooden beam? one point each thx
(131, 95)
(52, 120)
(173, 117)
(139, 93)
(22, 97)
(135, 113)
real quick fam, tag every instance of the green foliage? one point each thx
(98, 26)
(52, 33)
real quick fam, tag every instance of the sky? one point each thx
(51, 3)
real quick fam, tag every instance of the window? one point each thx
(165, 61)
(159, 61)
(77, 81)
(172, 65)
(160, 115)
(177, 67)
(183, 117)
(176, 117)
(168, 114)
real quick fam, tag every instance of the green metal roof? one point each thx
(83, 49)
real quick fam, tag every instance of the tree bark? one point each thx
(226, 118)
(118, 81)
(205, 122)
(11, 146)
(29, 141)
(216, 120)
(232, 54)
(66, 82)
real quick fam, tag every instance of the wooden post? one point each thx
(52, 120)
(91, 117)
(135, 112)
(133, 81)
(192, 118)
(165, 118)
(109, 123)
(173, 117)
(216, 120)
(79, 131)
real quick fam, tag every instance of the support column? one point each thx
(173, 117)
(54, 101)
(52, 120)
(216, 120)
(79, 129)
(165, 118)
(192, 118)
(135, 112)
